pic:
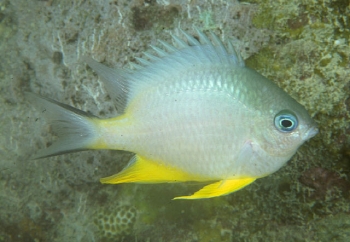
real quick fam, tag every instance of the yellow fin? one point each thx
(145, 171)
(219, 188)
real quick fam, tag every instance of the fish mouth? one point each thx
(311, 132)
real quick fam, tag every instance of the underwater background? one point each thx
(303, 46)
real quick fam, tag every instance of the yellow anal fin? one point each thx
(219, 188)
(141, 170)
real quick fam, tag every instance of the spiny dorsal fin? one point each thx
(168, 60)
(115, 80)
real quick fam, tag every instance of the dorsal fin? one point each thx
(168, 60)
(184, 54)
(115, 80)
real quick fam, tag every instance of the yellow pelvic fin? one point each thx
(141, 170)
(219, 188)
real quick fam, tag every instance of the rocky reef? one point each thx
(301, 45)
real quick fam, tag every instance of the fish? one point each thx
(189, 111)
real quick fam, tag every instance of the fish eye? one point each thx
(286, 121)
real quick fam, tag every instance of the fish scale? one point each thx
(191, 112)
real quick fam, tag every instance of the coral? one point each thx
(116, 223)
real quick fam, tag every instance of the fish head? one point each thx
(287, 126)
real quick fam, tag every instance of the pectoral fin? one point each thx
(141, 170)
(219, 188)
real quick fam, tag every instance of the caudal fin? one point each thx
(76, 130)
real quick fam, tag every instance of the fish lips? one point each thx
(311, 132)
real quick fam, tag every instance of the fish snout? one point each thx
(311, 132)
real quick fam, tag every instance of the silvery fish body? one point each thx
(192, 113)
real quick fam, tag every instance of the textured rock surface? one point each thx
(301, 45)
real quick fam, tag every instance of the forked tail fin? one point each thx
(76, 130)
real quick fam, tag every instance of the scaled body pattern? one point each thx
(190, 112)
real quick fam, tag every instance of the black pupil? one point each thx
(286, 123)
